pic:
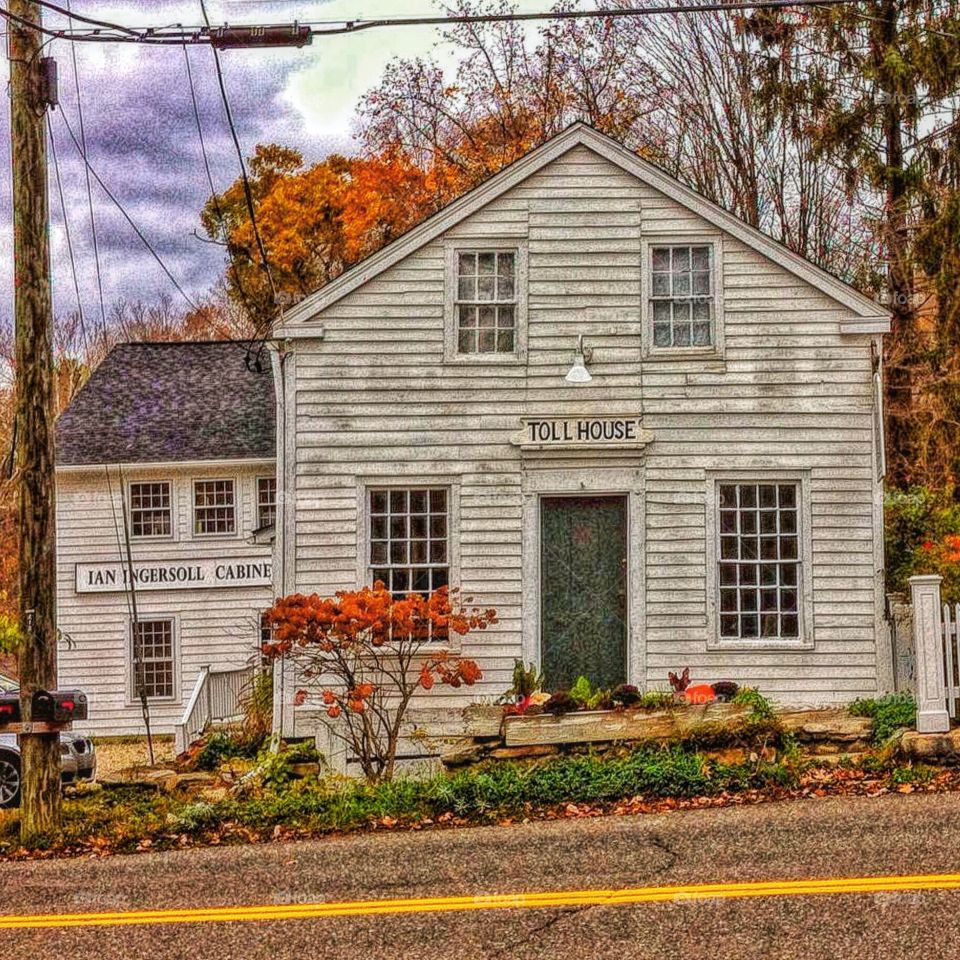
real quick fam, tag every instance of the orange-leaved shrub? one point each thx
(365, 654)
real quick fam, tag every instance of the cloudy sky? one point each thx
(142, 139)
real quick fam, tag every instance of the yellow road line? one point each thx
(495, 901)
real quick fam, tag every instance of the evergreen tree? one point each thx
(874, 85)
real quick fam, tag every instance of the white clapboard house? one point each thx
(181, 438)
(711, 497)
(647, 434)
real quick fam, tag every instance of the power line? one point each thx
(215, 199)
(247, 192)
(86, 171)
(251, 35)
(66, 228)
(67, 12)
(126, 215)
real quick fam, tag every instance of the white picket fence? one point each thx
(217, 698)
(951, 652)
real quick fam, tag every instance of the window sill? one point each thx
(761, 643)
(683, 353)
(468, 359)
(156, 702)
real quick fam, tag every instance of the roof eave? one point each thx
(166, 464)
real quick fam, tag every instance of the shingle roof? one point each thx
(155, 402)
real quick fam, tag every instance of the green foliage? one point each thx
(526, 680)
(224, 745)
(671, 772)
(760, 707)
(10, 635)
(917, 523)
(120, 819)
(275, 761)
(587, 695)
(656, 700)
(888, 713)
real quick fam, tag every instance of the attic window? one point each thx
(682, 297)
(485, 301)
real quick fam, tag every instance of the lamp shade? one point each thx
(579, 373)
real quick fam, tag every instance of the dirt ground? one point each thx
(120, 753)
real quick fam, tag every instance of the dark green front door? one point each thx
(583, 590)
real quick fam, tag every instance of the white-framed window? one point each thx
(264, 629)
(683, 297)
(409, 538)
(153, 658)
(486, 302)
(214, 507)
(150, 505)
(761, 563)
(266, 501)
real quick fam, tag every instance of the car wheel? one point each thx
(9, 780)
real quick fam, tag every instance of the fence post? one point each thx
(932, 714)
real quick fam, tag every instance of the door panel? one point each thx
(583, 590)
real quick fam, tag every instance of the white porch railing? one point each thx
(216, 698)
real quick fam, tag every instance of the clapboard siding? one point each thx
(374, 398)
(217, 627)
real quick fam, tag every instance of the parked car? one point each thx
(78, 757)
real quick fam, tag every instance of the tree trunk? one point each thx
(900, 345)
(34, 458)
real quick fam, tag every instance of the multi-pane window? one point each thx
(266, 501)
(410, 539)
(682, 296)
(266, 630)
(151, 514)
(152, 656)
(486, 301)
(214, 507)
(759, 561)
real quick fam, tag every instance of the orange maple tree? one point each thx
(366, 653)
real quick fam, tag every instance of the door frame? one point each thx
(587, 481)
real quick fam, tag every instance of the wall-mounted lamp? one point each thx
(579, 373)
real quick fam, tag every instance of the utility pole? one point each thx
(34, 413)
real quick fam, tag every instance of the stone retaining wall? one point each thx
(723, 730)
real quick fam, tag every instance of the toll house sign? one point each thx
(567, 433)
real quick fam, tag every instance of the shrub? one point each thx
(922, 535)
(888, 713)
(669, 772)
(760, 706)
(223, 745)
(363, 652)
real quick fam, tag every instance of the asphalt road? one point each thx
(824, 838)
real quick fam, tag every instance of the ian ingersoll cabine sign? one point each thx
(581, 431)
(172, 575)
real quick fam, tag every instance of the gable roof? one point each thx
(170, 402)
(871, 317)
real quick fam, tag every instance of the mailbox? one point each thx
(59, 706)
(9, 708)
